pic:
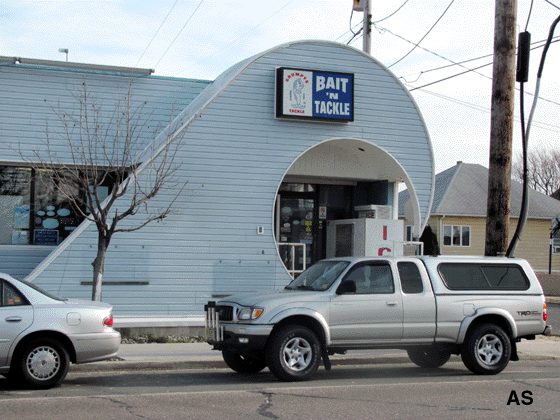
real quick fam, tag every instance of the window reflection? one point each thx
(37, 208)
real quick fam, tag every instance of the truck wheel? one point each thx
(487, 350)
(43, 363)
(429, 357)
(293, 354)
(244, 363)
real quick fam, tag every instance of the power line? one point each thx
(418, 43)
(552, 4)
(242, 36)
(392, 14)
(175, 39)
(488, 77)
(541, 125)
(529, 16)
(150, 43)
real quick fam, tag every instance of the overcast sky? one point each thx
(200, 39)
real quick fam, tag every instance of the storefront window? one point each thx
(15, 205)
(36, 208)
(291, 187)
(54, 216)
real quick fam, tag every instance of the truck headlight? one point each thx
(247, 314)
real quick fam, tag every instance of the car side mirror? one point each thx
(347, 286)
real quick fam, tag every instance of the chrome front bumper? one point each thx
(233, 335)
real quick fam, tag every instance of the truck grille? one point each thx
(226, 312)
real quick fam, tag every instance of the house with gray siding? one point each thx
(286, 153)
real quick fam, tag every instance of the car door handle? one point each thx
(13, 319)
(391, 303)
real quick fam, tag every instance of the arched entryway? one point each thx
(336, 180)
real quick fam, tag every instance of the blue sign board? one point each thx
(312, 94)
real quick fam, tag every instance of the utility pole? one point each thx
(365, 6)
(367, 27)
(501, 128)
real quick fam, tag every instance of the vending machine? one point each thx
(369, 235)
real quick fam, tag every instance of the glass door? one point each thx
(296, 229)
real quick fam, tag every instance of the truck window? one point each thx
(506, 277)
(483, 277)
(411, 280)
(372, 279)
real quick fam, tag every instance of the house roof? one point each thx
(462, 190)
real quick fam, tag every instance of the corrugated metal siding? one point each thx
(235, 155)
(19, 261)
(29, 97)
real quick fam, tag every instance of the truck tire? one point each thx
(487, 350)
(43, 363)
(244, 363)
(293, 353)
(429, 357)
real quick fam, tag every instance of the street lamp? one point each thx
(65, 51)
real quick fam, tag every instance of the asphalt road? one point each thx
(525, 390)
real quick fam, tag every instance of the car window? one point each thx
(372, 279)
(11, 296)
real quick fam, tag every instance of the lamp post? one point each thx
(65, 51)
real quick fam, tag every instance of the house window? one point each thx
(556, 244)
(456, 235)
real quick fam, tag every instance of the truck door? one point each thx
(419, 321)
(374, 313)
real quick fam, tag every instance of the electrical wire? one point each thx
(529, 16)
(539, 124)
(430, 30)
(175, 39)
(552, 4)
(392, 14)
(525, 136)
(557, 39)
(460, 63)
(150, 43)
(242, 36)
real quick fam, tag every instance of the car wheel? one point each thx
(244, 363)
(429, 357)
(487, 350)
(293, 354)
(43, 363)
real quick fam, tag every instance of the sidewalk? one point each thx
(155, 356)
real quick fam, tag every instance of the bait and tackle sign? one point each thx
(312, 94)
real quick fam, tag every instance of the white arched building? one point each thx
(269, 162)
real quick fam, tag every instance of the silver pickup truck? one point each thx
(432, 307)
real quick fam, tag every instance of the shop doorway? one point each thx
(302, 213)
(333, 181)
(296, 225)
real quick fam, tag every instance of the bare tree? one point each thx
(543, 170)
(99, 177)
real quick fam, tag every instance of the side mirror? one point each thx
(347, 286)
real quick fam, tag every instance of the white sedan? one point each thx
(40, 334)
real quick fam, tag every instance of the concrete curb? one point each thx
(114, 366)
